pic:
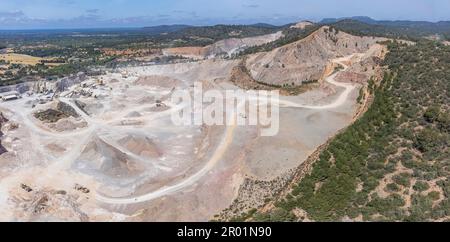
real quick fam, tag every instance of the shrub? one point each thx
(421, 186)
(402, 179)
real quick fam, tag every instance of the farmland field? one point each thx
(14, 58)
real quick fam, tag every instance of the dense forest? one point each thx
(397, 30)
(393, 164)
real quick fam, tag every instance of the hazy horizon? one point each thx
(199, 25)
(84, 14)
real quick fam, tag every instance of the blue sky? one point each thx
(26, 14)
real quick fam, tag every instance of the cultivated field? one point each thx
(21, 59)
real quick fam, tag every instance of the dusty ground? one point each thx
(129, 162)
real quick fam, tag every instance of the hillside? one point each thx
(302, 25)
(391, 29)
(306, 59)
(207, 35)
(226, 47)
(392, 164)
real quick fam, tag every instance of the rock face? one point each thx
(302, 25)
(20, 88)
(352, 77)
(306, 59)
(228, 47)
(67, 109)
(54, 115)
(241, 78)
(225, 47)
(43, 86)
(365, 67)
(50, 116)
(188, 52)
(67, 82)
(3, 120)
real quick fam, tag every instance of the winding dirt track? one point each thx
(95, 126)
(227, 139)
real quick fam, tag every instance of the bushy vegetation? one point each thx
(291, 35)
(395, 29)
(201, 36)
(81, 49)
(407, 127)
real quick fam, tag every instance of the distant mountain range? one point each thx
(363, 19)
(442, 25)
(398, 28)
(357, 24)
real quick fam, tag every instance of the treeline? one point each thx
(47, 52)
(219, 32)
(206, 35)
(402, 140)
(72, 68)
(291, 35)
(409, 30)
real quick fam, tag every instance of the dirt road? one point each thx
(228, 139)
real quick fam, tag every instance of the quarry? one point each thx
(104, 147)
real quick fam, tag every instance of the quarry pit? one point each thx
(105, 149)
